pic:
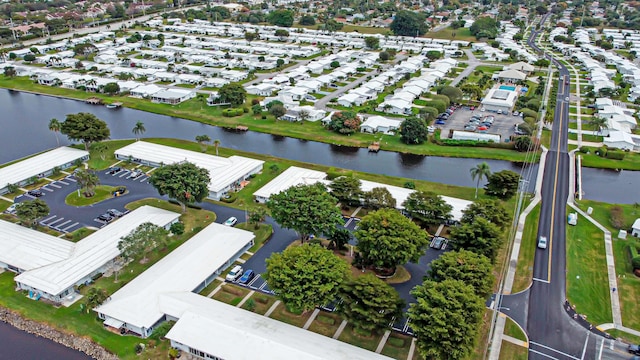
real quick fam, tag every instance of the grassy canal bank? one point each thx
(197, 110)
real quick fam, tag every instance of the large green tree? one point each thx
(453, 93)
(413, 130)
(471, 268)
(479, 236)
(503, 184)
(307, 209)
(489, 209)
(306, 276)
(346, 189)
(485, 27)
(54, 125)
(372, 42)
(143, 239)
(184, 182)
(281, 17)
(30, 211)
(446, 319)
(369, 303)
(87, 181)
(138, 129)
(408, 23)
(378, 198)
(478, 172)
(85, 127)
(233, 93)
(427, 207)
(95, 297)
(386, 239)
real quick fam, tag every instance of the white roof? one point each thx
(291, 177)
(28, 249)
(223, 171)
(92, 252)
(512, 74)
(137, 303)
(378, 121)
(39, 164)
(521, 65)
(265, 338)
(636, 224)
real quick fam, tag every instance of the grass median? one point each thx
(524, 268)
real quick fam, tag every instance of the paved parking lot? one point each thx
(503, 125)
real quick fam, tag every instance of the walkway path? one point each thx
(311, 318)
(383, 341)
(585, 143)
(343, 324)
(272, 308)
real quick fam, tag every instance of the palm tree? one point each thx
(54, 125)
(87, 181)
(599, 123)
(138, 129)
(95, 297)
(203, 140)
(216, 143)
(481, 170)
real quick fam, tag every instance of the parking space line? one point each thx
(70, 179)
(62, 182)
(54, 185)
(47, 219)
(63, 224)
(123, 173)
(70, 226)
(145, 179)
(55, 221)
(264, 285)
(46, 188)
(253, 280)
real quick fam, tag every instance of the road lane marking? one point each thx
(555, 190)
(70, 226)
(601, 348)
(543, 354)
(584, 348)
(541, 280)
(554, 350)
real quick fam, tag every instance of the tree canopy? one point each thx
(489, 209)
(386, 239)
(307, 20)
(427, 207)
(306, 276)
(378, 198)
(233, 93)
(111, 88)
(183, 182)
(372, 42)
(445, 319)
(369, 303)
(479, 236)
(408, 23)
(307, 209)
(453, 93)
(413, 130)
(346, 189)
(345, 122)
(485, 27)
(281, 17)
(503, 184)
(146, 237)
(85, 127)
(30, 211)
(471, 268)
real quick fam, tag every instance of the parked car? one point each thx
(114, 170)
(472, 108)
(235, 273)
(11, 209)
(566, 98)
(431, 129)
(440, 122)
(119, 191)
(35, 193)
(232, 221)
(542, 242)
(105, 217)
(515, 113)
(438, 242)
(470, 127)
(134, 174)
(247, 276)
(634, 349)
(499, 111)
(115, 213)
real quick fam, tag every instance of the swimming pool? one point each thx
(506, 87)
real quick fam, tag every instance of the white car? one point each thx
(232, 221)
(431, 129)
(11, 209)
(235, 273)
(542, 242)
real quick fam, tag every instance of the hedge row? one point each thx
(635, 257)
(232, 112)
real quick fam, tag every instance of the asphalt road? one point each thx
(553, 333)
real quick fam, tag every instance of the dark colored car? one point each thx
(105, 217)
(114, 213)
(121, 190)
(634, 349)
(114, 170)
(247, 276)
(35, 193)
(440, 122)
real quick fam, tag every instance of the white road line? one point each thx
(145, 179)
(47, 219)
(123, 174)
(55, 221)
(552, 349)
(601, 348)
(59, 226)
(586, 342)
(348, 222)
(70, 179)
(62, 182)
(611, 344)
(253, 280)
(264, 285)
(46, 188)
(543, 354)
(54, 185)
(541, 280)
(70, 226)
(406, 326)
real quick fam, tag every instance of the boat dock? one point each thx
(94, 101)
(374, 147)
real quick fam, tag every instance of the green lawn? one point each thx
(326, 324)
(79, 234)
(196, 109)
(452, 34)
(102, 160)
(509, 351)
(369, 342)
(587, 281)
(102, 192)
(282, 314)
(512, 329)
(209, 288)
(524, 268)
(397, 346)
(631, 161)
(262, 303)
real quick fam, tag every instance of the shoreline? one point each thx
(49, 332)
(509, 155)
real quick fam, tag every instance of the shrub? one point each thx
(585, 150)
(161, 331)
(326, 320)
(409, 185)
(617, 217)
(255, 102)
(396, 342)
(139, 348)
(262, 299)
(615, 155)
(229, 198)
(177, 228)
(602, 151)
(635, 262)
(332, 173)
(251, 305)
(231, 290)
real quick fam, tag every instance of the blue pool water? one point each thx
(506, 87)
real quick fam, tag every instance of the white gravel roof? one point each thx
(39, 164)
